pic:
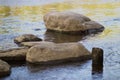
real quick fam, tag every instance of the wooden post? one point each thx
(97, 60)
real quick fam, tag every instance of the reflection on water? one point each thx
(4, 11)
(71, 71)
(97, 76)
(97, 10)
(61, 38)
(21, 19)
(32, 10)
(57, 37)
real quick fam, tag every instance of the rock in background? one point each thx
(26, 38)
(70, 22)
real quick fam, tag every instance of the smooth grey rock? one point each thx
(5, 68)
(70, 22)
(30, 44)
(62, 52)
(13, 54)
(26, 38)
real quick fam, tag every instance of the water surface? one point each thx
(26, 17)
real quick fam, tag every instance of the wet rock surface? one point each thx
(4, 68)
(30, 44)
(62, 52)
(26, 38)
(70, 22)
(13, 54)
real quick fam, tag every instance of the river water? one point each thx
(19, 17)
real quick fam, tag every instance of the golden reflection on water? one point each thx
(4, 11)
(95, 10)
(32, 10)
(110, 32)
(105, 9)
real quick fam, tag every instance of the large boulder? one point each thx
(26, 38)
(13, 54)
(70, 22)
(62, 52)
(4, 68)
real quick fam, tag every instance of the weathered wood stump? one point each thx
(97, 60)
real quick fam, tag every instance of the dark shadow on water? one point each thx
(17, 64)
(62, 38)
(97, 69)
(33, 68)
(97, 73)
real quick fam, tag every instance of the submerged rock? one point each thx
(62, 52)
(4, 68)
(13, 54)
(30, 44)
(70, 22)
(26, 38)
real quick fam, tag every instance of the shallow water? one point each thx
(26, 17)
